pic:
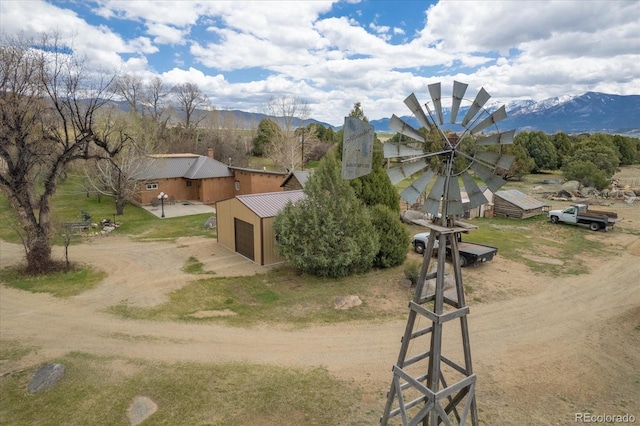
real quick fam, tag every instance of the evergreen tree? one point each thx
(328, 233)
(394, 238)
(540, 148)
(267, 132)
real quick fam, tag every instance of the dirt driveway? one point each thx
(543, 350)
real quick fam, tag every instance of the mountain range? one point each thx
(590, 112)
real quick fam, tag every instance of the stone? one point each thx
(571, 185)
(46, 376)
(346, 302)
(141, 409)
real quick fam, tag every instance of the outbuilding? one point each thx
(515, 204)
(245, 224)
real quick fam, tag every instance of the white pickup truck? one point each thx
(580, 214)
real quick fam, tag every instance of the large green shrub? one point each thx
(393, 237)
(329, 233)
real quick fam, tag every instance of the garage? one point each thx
(245, 224)
(244, 238)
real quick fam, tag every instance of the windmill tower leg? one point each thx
(431, 387)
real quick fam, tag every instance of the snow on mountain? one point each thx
(587, 113)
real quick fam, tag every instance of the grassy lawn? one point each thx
(280, 296)
(60, 284)
(69, 202)
(99, 390)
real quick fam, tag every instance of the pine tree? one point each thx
(329, 233)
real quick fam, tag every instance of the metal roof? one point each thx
(520, 199)
(188, 166)
(258, 171)
(271, 203)
(301, 176)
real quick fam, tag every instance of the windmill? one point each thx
(430, 387)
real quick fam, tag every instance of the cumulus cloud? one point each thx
(246, 51)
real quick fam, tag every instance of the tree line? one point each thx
(590, 159)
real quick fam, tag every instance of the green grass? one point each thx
(13, 351)
(536, 236)
(194, 266)
(281, 297)
(60, 284)
(99, 390)
(70, 201)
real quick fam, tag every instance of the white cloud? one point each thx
(523, 49)
(167, 34)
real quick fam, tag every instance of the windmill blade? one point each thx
(416, 109)
(481, 98)
(432, 203)
(393, 149)
(413, 191)
(496, 159)
(436, 97)
(503, 138)
(401, 127)
(458, 95)
(454, 198)
(494, 118)
(494, 182)
(476, 197)
(398, 174)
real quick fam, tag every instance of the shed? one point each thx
(295, 180)
(245, 224)
(513, 203)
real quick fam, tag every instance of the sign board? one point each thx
(357, 148)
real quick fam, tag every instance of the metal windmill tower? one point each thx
(437, 385)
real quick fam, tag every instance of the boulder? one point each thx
(408, 216)
(571, 186)
(346, 302)
(449, 280)
(46, 376)
(140, 409)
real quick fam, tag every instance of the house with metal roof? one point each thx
(513, 203)
(245, 224)
(199, 178)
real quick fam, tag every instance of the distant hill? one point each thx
(588, 113)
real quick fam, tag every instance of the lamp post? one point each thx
(162, 196)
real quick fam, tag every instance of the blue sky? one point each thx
(332, 54)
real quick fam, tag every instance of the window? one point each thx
(188, 183)
(237, 186)
(151, 186)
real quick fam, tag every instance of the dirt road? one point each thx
(553, 347)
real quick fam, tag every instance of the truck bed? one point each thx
(476, 249)
(611, 216)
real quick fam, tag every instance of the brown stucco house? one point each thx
(245, 224)
(199, 178)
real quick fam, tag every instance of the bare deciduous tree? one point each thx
(131, 89)
(286, 146)
(48, 102)
(231, 143)
(189, 98)
(117, 176)
(156, 94)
